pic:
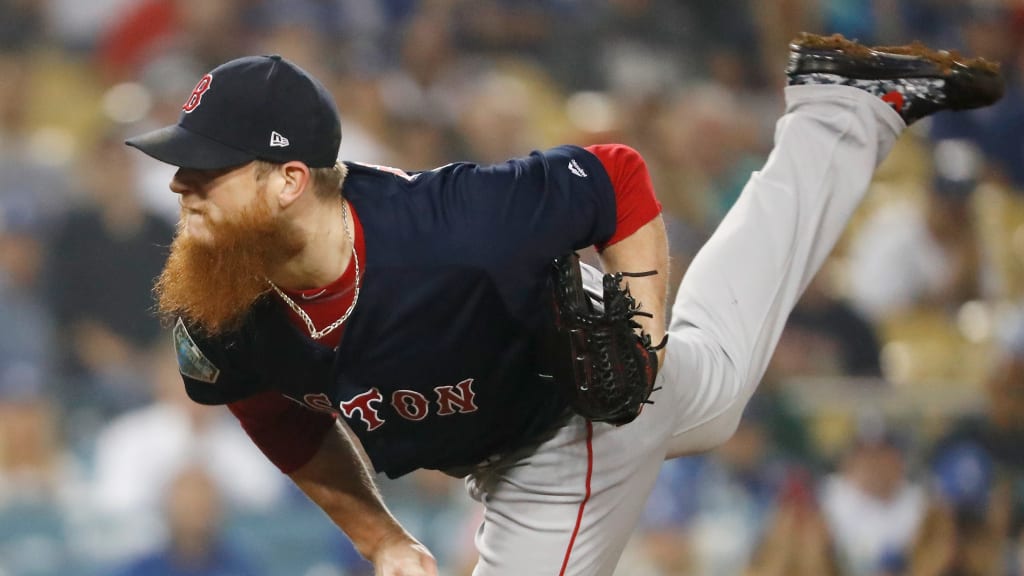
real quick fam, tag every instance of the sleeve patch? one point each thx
(191, 360)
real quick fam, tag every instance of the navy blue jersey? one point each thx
(436, 367)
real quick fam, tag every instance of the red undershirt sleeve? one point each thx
(635, 201)
(288, 434)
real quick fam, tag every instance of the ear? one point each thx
(294, 177)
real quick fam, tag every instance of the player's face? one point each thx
(230, 239)
(211, 197)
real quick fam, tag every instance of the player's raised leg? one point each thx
(846, 106)
(567, 507)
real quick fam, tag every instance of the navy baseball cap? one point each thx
(251, 108)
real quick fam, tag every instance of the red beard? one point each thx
(214, 285)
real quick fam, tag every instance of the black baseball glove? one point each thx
(596, 355)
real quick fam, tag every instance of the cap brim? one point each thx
(177, 146)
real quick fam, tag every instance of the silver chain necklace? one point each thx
(313, 332)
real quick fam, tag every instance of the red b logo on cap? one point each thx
(197, 94)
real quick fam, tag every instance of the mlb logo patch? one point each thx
(191, 361)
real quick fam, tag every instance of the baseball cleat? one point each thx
(914, 79)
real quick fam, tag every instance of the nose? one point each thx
(179, 184)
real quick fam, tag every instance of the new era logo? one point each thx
(278, 141)
(576, 169)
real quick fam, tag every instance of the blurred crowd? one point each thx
(886, 439)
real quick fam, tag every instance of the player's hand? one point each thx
(403, 556)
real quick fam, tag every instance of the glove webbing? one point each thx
(620, 304)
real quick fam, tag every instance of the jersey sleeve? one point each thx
(210, 375)
(287, 433)
(536, 207)
(635, 201)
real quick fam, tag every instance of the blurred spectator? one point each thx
(77, 27)
(994, 438)
(430, 80)
(21, 25)
(298, 30)
(37, 475)
(138, 454)
(420, 145)
(366, 123)
(37, 482)
(986, 29)
(102, 264)
(635, 48)
(796, 541)
(704, 149)
(789, 434)
(27, 340)
(910, 255)
(497, 124)
(32, 193)
(365, 120)
(932, 21)
(1017, 555)
(161, 81)
(966, 528)
(830, 337)
(33, 180)
(523, 27)
(208, 32)
(938, 549)
(872, 507)
(729, 40)
(195, 541)
(824, 339)
(999, 132)
(706, 513)
(869, 21)
(433, 507)
(33, 464)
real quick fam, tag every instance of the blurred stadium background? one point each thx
(886, 439)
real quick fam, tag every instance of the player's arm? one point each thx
(312, 448)
(338, 480)
(645, 249)
(640, 242)
(323, 459)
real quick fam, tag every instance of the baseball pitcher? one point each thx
(361, 319)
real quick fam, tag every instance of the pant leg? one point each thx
(737, 294)
(567, 506)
